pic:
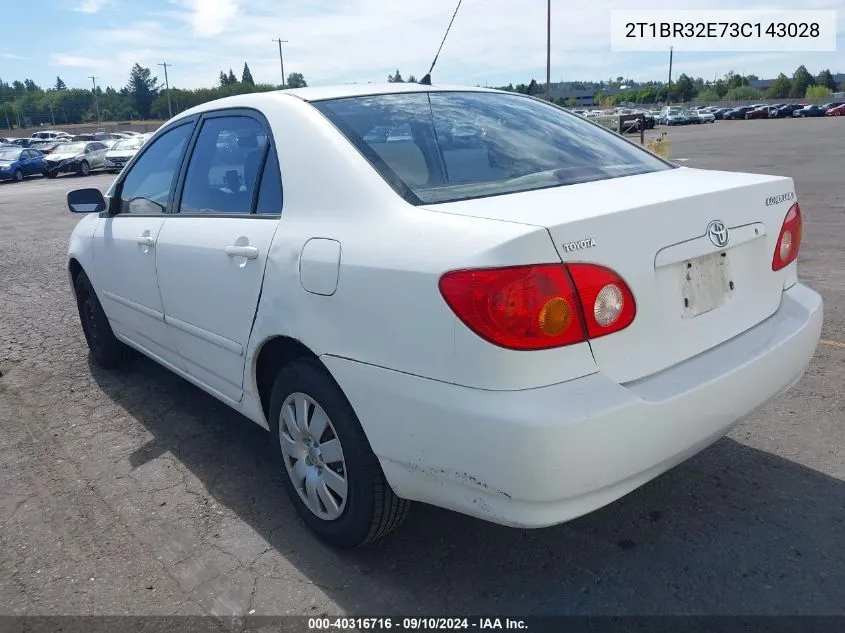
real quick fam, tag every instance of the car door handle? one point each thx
(250, 252)
(146, 240)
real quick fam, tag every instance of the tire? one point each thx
(370, 510)
(106, 350)
(84, 168)
(18, 176)
(51, 174)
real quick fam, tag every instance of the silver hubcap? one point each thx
(313, 456)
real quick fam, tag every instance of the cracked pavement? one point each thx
(132, 492)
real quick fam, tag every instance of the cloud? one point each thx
(212, 17)
(91, 6)
(63, 59)
(12, 56)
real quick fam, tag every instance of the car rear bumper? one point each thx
(539, 457)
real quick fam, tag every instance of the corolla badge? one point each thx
(717, 231)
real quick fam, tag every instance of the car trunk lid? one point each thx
(664, 233)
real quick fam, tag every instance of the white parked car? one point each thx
(522, 326)
(706, 116)
(122, 151)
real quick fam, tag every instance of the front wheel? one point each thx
(328, 468)
(84, 168)
(18, 175)
(105, 348)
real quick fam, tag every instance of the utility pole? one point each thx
(282, 60)
(167, 86)
(669, 87)
(549, 50)
(96, 102)
(6, 111)
(52, 117)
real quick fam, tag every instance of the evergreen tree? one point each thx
(246, 77)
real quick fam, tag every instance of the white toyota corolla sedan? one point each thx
(451, 295)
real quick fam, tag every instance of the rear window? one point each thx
(451, 146)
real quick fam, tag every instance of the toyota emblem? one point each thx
(718, 233)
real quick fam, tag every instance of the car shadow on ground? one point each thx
(733, 530)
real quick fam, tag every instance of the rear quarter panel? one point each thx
(387, 309)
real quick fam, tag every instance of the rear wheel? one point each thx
(329, 470)
(51, 174)
(84, 168)
(105, 348)
(18, 175)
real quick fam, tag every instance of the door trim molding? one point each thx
(209, 337)
(153, 314)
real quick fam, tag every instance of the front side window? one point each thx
(223, 171)
(147, 186)
(450, 146)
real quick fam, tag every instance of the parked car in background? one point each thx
(23, 142)
(671, 115)
(78, 157)
(46, 147)
(836, 111)
(122, 152)
(16, 163)
(810, 111)
(495, 356)
(719, 113)
(785, 111)
(735, 114)
(758, 113)
(48, 135)
(705, 116)
(690, 117)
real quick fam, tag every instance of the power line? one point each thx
(167, 86)
(282, 59)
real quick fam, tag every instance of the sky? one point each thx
(492, 42)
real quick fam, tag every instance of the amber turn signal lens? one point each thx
(555, 316)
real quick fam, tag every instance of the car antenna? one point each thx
(426, 80)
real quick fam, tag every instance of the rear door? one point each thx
(212, 251)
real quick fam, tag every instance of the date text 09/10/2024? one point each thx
(415, 624)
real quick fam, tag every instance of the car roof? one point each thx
(319, 93)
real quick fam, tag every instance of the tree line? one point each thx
(25, 103)
(731, 87)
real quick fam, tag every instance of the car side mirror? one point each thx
(86, 201)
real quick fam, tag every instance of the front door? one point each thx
(212, 251)
(125, 246)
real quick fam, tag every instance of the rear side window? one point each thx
(270, 189)
(450, 146)
(223, 171)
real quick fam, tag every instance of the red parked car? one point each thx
(759, 113)
(837, 111)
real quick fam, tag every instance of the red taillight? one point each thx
(789, 240)
(607, 301)
(539, 306)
